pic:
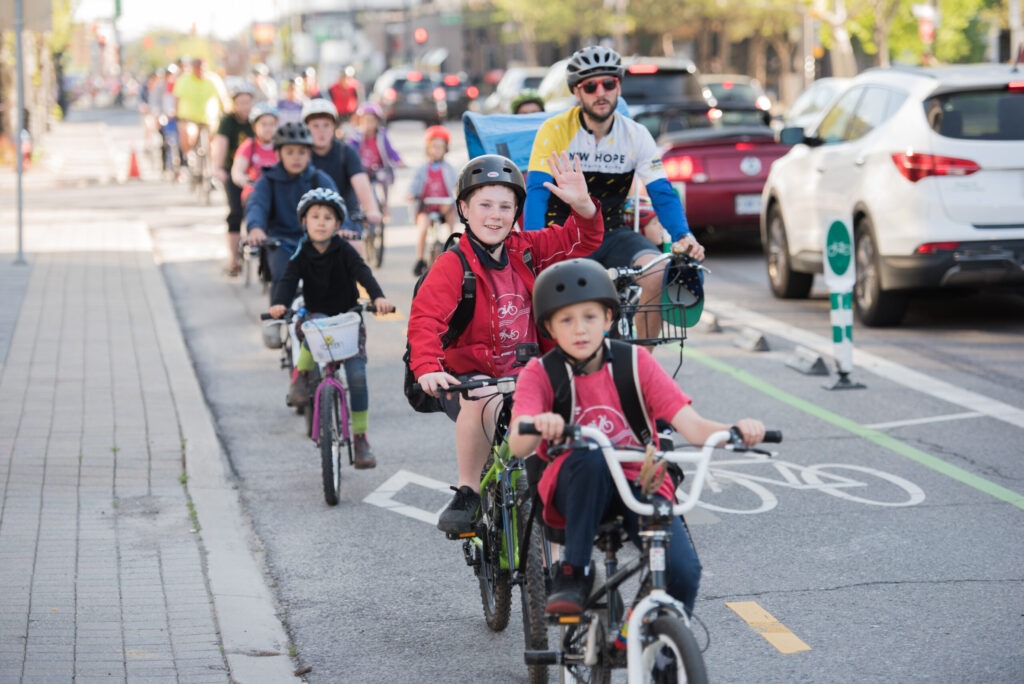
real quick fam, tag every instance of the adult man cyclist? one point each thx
(612, 149)
(199, 103)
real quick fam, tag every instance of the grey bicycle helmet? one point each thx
(325, 197)
(490, 169)
(260, 110)
(591, 61)
(319, 107)
(292, 133)
(572, 282)
(243, 89)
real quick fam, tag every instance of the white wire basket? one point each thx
(333, 339)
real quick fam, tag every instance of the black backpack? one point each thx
(626, 386)
(418, 399)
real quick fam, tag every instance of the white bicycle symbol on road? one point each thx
(859, 484)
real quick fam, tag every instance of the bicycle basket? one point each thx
(333, 339)
(651, 324)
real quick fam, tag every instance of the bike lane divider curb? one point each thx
(254, 640)
(765, 624)
(880, 438)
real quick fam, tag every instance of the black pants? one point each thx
(235, 213)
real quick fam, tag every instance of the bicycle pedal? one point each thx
(456, 536)
(542, 657)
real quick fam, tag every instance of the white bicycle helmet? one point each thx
(325, 197)
(595, 60)
(318, 106)
(260, 110)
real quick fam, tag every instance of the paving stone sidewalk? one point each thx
(124, 553)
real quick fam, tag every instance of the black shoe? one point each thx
(570, 588)
(461, 513)
(419, 268)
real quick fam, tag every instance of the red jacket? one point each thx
(439, 295)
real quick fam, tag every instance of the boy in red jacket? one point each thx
(489, 198)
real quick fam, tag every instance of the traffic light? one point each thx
(420, 35)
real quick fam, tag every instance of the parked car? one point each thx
(405, 93)
(720, 172)
(734, 95)
(514, 81)
(926, 165)
(460, 94)
(810, 105)
(662, 93)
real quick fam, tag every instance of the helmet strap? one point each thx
(578, 365)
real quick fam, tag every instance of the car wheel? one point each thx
(785, 282)
(874, 306)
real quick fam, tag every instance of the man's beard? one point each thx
(600, 118)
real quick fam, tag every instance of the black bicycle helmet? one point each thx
(571, 282)
(490, 169)
(595, 60)
(325, 197)
(292, 133)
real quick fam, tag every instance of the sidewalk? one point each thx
(124, 552)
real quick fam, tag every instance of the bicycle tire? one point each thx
(671, 632)
(495, 583)
(534, 593)
(574, 641)
(329, 446)
(374, 241)
(205, 166)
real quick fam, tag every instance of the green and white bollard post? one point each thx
(840, 277)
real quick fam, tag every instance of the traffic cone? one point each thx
(133, 166)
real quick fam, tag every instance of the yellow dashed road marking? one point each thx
(762, 622)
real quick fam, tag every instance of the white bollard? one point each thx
(840, 277)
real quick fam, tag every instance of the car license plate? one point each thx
(748, 204)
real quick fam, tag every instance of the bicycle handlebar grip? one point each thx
(265, 316)
(527, 427)
(773, 436)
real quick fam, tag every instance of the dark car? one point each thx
(719, 173)
(405, 93)
(460, 94)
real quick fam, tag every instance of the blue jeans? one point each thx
(585, 495)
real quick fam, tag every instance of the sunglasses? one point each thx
(609, 84)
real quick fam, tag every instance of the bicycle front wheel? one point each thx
(330, 447)
(534, 589)
(672, 656)
(495, 583)
(374, 239)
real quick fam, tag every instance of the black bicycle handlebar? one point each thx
(369, 308)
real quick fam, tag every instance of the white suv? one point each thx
(927, 167)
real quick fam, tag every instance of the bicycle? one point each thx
(438, 230)
(200, 165)
(659, 645)
(495, 549)
(331, 341)
(664, 321)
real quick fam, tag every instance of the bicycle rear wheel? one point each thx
(673, 656)
(204, 166)
(374, 240)
(495, 583)
(330, 444)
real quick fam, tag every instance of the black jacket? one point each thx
(328, 279)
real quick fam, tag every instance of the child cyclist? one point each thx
(436, 178)
(256, 153)
(270, 212)
(330, 268)
(489, 198)
(575, 303)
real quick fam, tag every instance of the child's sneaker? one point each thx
(300, 391)
(420, 268)
(461, 513)
(363, 459)
(570, 588)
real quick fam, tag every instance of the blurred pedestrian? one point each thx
(234, 129)
(347, 93)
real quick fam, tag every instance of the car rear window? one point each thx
(978, 115)
(734, 92)
(663, 87)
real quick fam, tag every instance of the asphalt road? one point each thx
(886, 537)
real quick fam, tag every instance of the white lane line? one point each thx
(883, 368)
(923, 421)
(382, 496)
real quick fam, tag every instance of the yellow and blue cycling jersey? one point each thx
(608, 165)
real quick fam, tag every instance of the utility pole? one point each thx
(1016, 30)
(119, 98)
(19, 62)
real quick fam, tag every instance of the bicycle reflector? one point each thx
(682, 296)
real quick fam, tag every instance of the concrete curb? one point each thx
(254, 640)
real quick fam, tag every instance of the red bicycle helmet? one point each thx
(437, 132)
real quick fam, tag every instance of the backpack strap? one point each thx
(627, 385)
(561, 383)
(464, 310)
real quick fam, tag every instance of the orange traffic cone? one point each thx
(133, 166)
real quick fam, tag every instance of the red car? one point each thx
(720, 172)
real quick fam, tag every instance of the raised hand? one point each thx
(570, 186)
